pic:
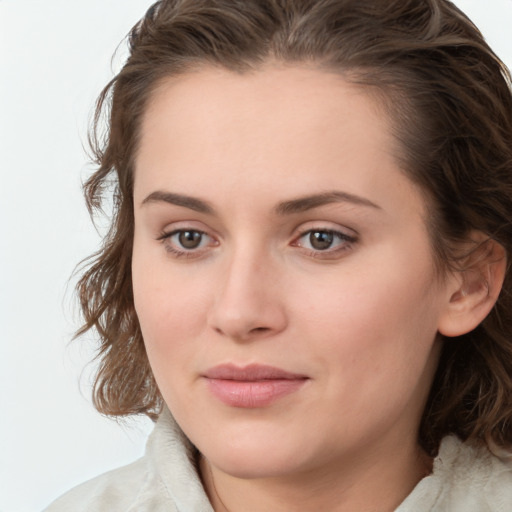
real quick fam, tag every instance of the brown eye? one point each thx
(190, 239)
(321, 240)
(325, 243)
(187, 243)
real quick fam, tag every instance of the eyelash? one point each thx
(346, 243)
(165, 238)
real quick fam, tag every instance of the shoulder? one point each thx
(123, 489)
(165, 479)
(474, 475)
(465, 478)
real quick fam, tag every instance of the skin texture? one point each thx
(359, 320)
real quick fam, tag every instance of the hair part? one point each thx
(449, 100)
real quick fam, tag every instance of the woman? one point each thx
(305, 281)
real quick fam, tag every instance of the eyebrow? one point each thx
(298, 205)
(192, 203)
(303, 204)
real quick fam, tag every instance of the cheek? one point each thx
(373, 343)
(384, 315)
(171, 309)
(168, 319)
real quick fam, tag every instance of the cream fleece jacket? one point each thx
(464, 479)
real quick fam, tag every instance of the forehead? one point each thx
(272, 97)
(298, 127)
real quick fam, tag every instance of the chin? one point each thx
(257, 455)
(254, 464)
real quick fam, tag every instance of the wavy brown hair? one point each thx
(449, 99)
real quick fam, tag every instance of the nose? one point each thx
(248, 303)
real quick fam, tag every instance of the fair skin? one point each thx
(339, 291)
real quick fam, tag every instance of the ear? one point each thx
(474, 289)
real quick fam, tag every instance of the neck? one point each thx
(362, 484)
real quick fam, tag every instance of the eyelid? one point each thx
(346, 240)
(166, 235)
(326, 226)
(171, 228)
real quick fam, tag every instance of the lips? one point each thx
(251, 386)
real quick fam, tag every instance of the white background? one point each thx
(55, 56)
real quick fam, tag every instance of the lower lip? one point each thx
(252, 394)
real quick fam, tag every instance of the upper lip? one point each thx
(252, 372)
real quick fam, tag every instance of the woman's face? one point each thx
(282, 271)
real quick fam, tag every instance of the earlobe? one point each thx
(476, 288)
